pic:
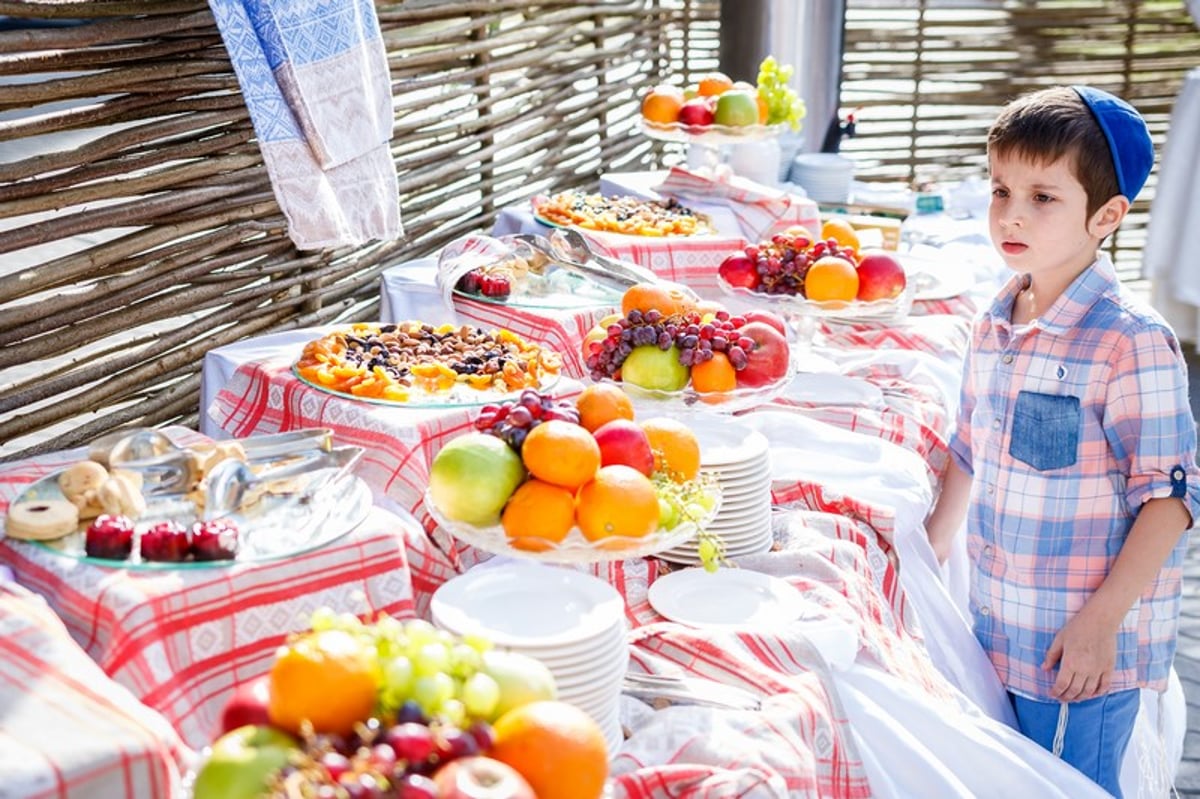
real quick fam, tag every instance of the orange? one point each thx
(601, 403)
(676, 450)
(763, 110)
(537, 515)
(831, 278)
(661, 105)
(620, 502)
(667, 300)
(799, 231)
(715, 375)
(561, 453)
(556, 747)
(842, 231)
(714, 83)
(328, 678)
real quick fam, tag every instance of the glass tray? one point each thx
(853, 311)
(574, 548)
(461, 396)
(277, 526)
(710, 134)
(739, 399)
(559, 290)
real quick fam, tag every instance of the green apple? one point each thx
(242, 763)
(649, 367)
(736, 108)
(473, 476)
(522, 679)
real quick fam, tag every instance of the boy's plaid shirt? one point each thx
(1068, 426)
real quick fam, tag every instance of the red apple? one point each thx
(769, 360)
(696, 113)
(739, 271)
(880, 276)
(767, 317)
(623, 441)
(248, 705)
(481, 778)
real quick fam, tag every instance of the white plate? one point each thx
(529, 604)
(728, 443)
(726, 598)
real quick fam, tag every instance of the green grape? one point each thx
(707, 501)
(430, 659)
(783, 104)
(430, 691)
(348, 622)
(477, 642)
(464, 660)
(480, 694)
(695, 512)
(668, 514)
(398, 675)
(454, 712)
(323, 618)
(420, 632)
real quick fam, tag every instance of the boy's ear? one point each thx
(1108, 216)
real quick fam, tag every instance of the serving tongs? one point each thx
(689, 691)
(569, 250)
(231, 481)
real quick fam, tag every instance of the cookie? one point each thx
(41, 520)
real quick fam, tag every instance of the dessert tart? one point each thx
(411, 361)
(626, 214)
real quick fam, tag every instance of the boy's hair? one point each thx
(1050, 124)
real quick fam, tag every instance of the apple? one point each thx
(880, 276)
(481, 777)
(736, 108)
(242, 763)
(624, 441)
(472, 477)
(768, 317)
(696, 113)
(247, 705)
(649, 367)
(769, 360)
(739, 271)
(522, 679)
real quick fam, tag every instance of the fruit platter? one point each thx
(620, 213)
(666, 345)
(717, 110)
(827, 276)
(422, 365)
(396, 709)
(200, 507)
(572, 481)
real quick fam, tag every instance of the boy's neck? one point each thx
(1033, 301)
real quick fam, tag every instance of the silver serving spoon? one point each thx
(571, 245)
(227, 485)
(147, 444)
(614, 280)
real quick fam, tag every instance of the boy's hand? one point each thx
(1086, 653)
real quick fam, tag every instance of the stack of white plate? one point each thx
(739, 457)
(826, 177)
(571, 621)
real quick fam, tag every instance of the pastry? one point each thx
(80, 483)
(41, 520)
(121, 494)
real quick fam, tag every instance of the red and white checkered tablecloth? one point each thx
(66, 730)
(182, 640)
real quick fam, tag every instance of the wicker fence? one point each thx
(137, 224)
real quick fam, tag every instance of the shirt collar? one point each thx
(1093, 283)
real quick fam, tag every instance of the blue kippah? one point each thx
(1128, 138)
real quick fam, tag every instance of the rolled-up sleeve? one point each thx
(960, 438)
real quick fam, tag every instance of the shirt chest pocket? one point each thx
(1045, 430)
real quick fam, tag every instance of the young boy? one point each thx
(1074, 453)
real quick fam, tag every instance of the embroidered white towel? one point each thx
(315, 79)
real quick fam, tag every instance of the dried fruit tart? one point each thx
(410, 361)
(621, 214)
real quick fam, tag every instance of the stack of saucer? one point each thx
(826, 177)
(738, 455)
(570, 621)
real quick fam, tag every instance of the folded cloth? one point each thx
(316, 83)
(760, 210)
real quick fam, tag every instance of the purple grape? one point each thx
(417, 786)
(335, 765)
(411, 713)
(520, 417)
(410, 741)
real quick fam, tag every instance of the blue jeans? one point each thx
(1094, 732)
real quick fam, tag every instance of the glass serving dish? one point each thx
(281, 523)
(710, 134)
(575, 548)
(460, 396)
(688, 399)
(555, 289)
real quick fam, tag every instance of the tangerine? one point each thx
(328, 678)
(662, 103)
(831, 278)
(764, 111)
(620, 502)
(667, 300)
(600, 403)
(561, 453)
(676, 450)
(714, 83)
(841, 231)
(716, 374)
(538, 515)
(556, 747)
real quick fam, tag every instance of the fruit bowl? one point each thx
(738, 399)
(792, 306)
(575, 548)
(709, 134)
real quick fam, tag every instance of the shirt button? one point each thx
(1008, 358)
(991, 489)
(985, 612)
(995, 424)
(987, 550)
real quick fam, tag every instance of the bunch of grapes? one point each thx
(694, 502)
(512, 421)
(695, 339)
(783, 104)
(783, 262)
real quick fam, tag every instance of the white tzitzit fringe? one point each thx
(1060, 731)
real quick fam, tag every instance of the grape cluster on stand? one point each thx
(512, 421)
(695, 339)
(783, 262)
